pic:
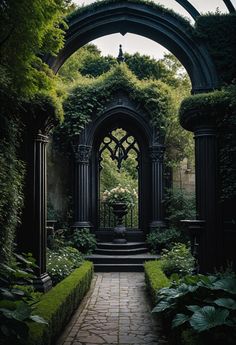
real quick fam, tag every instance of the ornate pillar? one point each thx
(206, 194)
(81, 186)
(32, 236)
(208, 230)
(157, 155)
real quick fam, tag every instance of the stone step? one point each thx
(128, 245)
(118, 268)
(121, 251)
(121, 259)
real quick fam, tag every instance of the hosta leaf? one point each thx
(228, 303)
(208, 317)
(179, 320)
(38, 319)
(162, 306)
(193, 308)
(226, 284)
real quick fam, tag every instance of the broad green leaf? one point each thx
(208, 317)
(226, 284)
(193, 308)
(162, 306)
(228, 303)
(179, 320)
(38, 319)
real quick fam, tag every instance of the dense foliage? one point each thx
(11, 178)
(218, 32)
(27, 30)
(83, 240)
(204, 304)
(17, 299)
(61, 262)
(178, 260)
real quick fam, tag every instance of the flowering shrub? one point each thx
(62, 262)
(120, 194)
(177, 260)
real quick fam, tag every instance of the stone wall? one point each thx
(59, 182)
(184, 176)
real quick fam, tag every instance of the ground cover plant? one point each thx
(17, 300)
(201, 308)
(62, 262)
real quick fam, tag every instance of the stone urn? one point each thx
(120, 209)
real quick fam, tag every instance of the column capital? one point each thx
(41, 138)
(157, 153)
(81, 153)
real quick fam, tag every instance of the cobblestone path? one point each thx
(116, 311)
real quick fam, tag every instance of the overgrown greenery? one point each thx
(17, 299)
(205, 305)
(62, 262)
(11, 178)
(178, 260)
(27, 30)
(83, 240)
(218, 32)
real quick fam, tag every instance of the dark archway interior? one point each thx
(130, 122)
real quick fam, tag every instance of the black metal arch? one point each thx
(144, 20)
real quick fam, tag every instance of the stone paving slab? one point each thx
(115, 311)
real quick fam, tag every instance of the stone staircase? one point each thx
(128, 257)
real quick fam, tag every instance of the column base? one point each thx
(43, 283)
(156, 224)
(81, 225)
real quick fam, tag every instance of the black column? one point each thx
(32, 235)
(81, 186)
(206, 195)
(157, 154)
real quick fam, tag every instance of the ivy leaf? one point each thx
(208, 317)
(179, 320)
(228, 303)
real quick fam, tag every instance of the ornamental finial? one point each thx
(120, 57)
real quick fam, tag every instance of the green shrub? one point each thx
(205, 305)
(17, 298)
(177, 260)
(179, 205)
(155, 278)
(62, 262)
(57, 305)
(161, 238)
(84, 241)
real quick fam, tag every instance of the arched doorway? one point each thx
(175, 34)
(150, 164)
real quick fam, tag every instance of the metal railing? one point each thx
(108, 220)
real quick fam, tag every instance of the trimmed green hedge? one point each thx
(155, 278)
(57, 305)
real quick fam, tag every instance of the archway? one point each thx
(137, 124)
(151, 21)
(175, 34)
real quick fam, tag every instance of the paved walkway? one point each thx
(116, 311)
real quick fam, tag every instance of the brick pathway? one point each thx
(116, 311)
